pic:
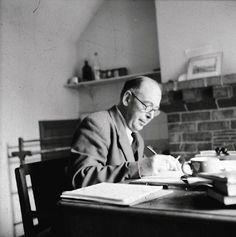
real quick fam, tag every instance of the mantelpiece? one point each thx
(199, 94)
(199, 83)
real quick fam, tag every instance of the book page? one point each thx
(171, 178)
(223, 176)
(163, 178)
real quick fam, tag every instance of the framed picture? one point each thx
(208, 65)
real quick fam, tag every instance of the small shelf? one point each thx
(154, 74)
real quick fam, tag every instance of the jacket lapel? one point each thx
(121, 134)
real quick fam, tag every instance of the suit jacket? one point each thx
(101, 151)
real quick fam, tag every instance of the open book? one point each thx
(223, 176)
(163, 178)
(116, 193)
(171, 178)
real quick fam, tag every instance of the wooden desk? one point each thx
(182, 213)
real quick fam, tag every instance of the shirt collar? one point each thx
(128, 131)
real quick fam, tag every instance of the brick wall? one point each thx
(200, 118)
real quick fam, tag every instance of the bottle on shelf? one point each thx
(96, 67)
(87, 72)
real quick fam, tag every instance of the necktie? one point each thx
(134, 145)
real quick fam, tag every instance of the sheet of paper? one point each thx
(171, 178)
(163, 178)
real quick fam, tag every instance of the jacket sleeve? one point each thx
(92, 152)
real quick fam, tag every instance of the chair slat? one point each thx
(48, 180)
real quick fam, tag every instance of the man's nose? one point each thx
(150, 115)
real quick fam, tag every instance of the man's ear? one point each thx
(126, 98)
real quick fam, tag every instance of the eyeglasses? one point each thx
(147, 108)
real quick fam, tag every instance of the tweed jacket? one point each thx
(101, 151)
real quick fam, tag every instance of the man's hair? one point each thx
(133, 84)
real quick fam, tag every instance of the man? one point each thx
(102, 145)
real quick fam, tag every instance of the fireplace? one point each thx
(201, 114)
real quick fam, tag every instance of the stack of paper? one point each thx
(116, 193)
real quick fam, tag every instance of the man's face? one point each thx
(150, 95)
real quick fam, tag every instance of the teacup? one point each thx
(201, 164)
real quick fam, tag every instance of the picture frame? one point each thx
(207, 65)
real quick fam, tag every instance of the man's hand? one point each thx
(157, 163)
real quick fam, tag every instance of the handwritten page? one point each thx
(116, 193)
(171, 178)
(163, 178)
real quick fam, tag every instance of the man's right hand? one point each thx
(156, 164)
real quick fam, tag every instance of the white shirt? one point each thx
(128, 131)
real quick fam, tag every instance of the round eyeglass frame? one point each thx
(147, 108)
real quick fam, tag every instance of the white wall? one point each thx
(124, 34)
(37, 56)
(193, 24)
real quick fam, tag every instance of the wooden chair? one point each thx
(48, 180)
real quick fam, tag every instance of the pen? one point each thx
(152, 150)
(178, 157)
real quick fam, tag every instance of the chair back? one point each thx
(48, 180)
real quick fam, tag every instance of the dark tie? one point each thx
(134, 145)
